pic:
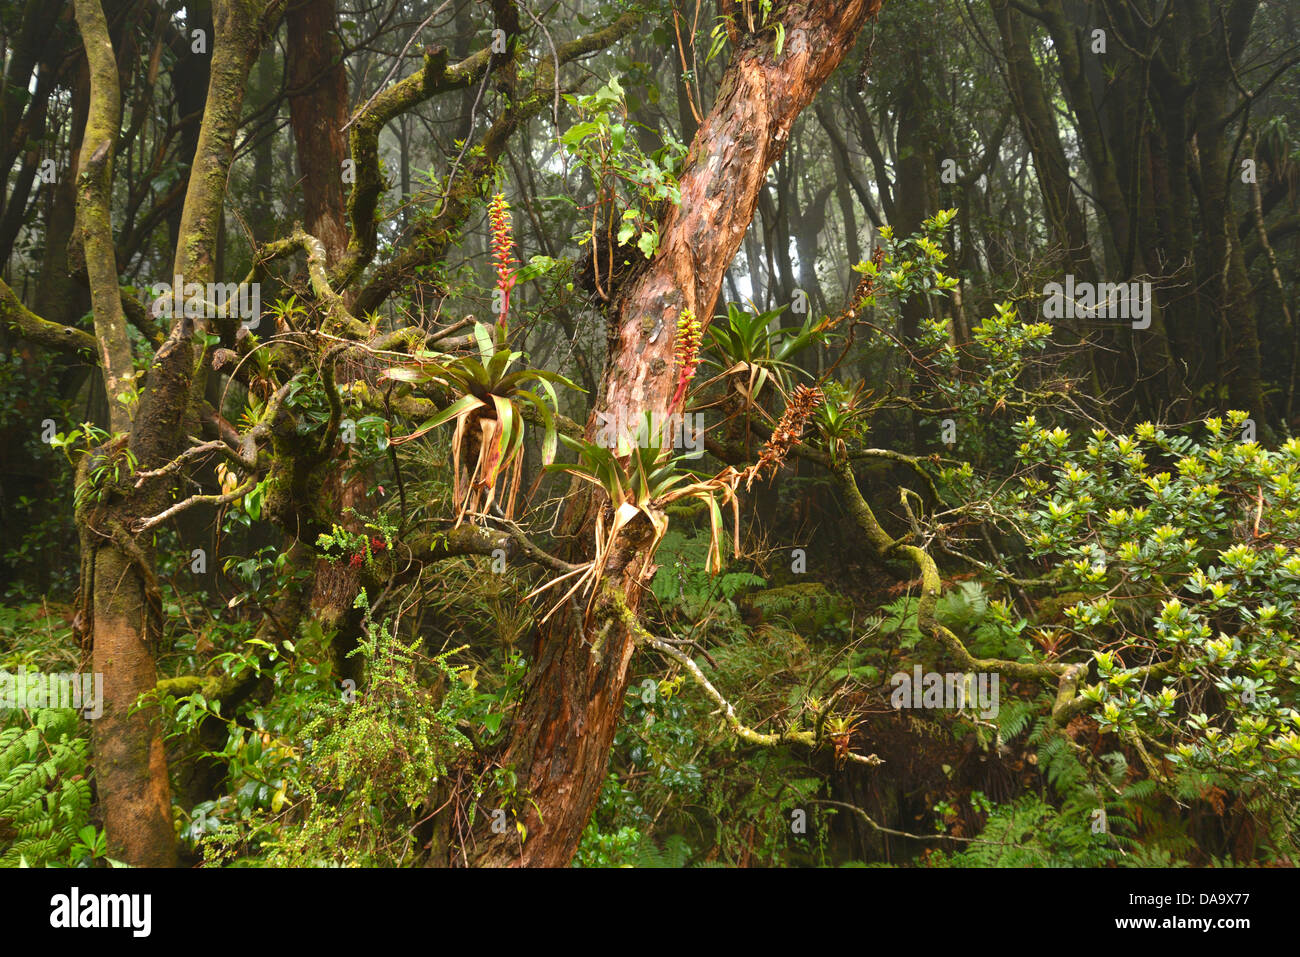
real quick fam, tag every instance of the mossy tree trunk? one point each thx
(120, 595)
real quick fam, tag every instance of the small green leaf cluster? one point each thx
(625, 178)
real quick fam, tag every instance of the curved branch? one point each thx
(193, 452)
(26, 324)
(332, 397)
(223, 499)
(435, 76)
(94, 192)
(455, 199)
(341, 320)
(747, 734)
(531, 548)
(462, 540)
(931, 587)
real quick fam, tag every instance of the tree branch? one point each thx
(747, 734)
(25, 323)
(94, 191)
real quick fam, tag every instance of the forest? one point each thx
(650, 434)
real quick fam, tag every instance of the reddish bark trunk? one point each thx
(130, 764)
(318, 109)
(571, 708)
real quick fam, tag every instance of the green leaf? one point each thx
(537, 266)
(548, 425)
(578, 132)
(483, 336)
(465, 403)
(540, 375)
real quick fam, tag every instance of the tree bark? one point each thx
(318, 109)
(1039, 127)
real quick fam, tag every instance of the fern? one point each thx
(899, 617)
(963, 607)
(683, 579)
(1063, 770)
(675, 853)
(375, 760)
(811, 609)
(44, 791)
(1029, 832)
(1013, 719)
(1090, 823)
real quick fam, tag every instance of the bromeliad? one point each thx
(489, 413)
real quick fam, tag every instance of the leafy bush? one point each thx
(1192, 571)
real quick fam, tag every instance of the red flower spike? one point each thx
(686, 352)
(503, 247)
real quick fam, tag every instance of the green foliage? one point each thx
(842, 420)
(340, 543)
(898, 618)
(487, 389)
(752, 349)
(45, 791)
(760, 24)
(339, 776)
(618, 849)
(986, 627)
(366, 765)
(912, 266)
(629, 183)
(683, 585)
(1092, 825)
(641, 481)
(659, 807)
(37, 532)
(639, 474)
(987, 373)
(810, 608)
(674, 853)
(1186, 564)
(38, 635)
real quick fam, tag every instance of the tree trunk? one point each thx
(130, 766)
(566, 720)
(1224, 266)
(119, 587)
(318, 108)
(1039, 127)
